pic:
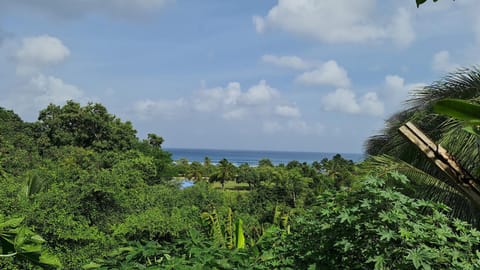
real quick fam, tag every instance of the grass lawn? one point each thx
(232, 186)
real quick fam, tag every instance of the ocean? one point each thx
(251, 157)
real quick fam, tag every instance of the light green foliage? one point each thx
(225, 172)
(195, 171)
(461, 110)
(90, 126)
(247, 174)
(448, 132)
(23, 245)
(99, 192)
(157, 223)
(378, 227)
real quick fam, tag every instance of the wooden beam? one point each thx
(461, 179)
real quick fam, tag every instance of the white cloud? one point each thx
(31, 95)
(442, 63)
(395, 91)
(261, 106)
(236, 114)
(73, 8)
(371, 105)
(214, 98)
(395, 83)
(294, 62)
(38, 52)
(341, 100)
(259, 94)
(329, 73)
(334, 21)
(30, 88)
(49, 89)
(287, 111)
(344, 100)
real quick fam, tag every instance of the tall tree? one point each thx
(89, 126)
(225, 172)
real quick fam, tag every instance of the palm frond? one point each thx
(426, 186)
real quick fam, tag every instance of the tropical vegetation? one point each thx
(81, 190)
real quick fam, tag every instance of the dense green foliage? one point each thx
(103, 199)
(450, 133)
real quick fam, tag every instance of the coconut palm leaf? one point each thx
(463, 146)
(426, 186)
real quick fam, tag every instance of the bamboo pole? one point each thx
(461, 179)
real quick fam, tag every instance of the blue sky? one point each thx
(301, 75)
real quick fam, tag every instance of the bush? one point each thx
(378, 227)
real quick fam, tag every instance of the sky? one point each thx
(297, 75)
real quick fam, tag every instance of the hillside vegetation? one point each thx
(80, 190)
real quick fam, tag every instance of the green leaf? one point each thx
(239, 236)
(457, 108)
(12, 223)
(379, 262)
(386, 235)
(50, 259)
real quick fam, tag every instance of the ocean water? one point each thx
(251, 157)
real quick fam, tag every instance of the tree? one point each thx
(295, 184)
(338, 170)
(225, 172)
(155, 140)
(265, 162)
(379, 227)
(90, 126)
(195, 171)
(207, 166)
(247, 174)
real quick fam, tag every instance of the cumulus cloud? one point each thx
(329, 73)
(395, 91)
(293, 62)
(30, 88)
(441, 62)
(260, 104)
(259, 94)
(287, 111)
(236, 114)
(229, 102)
(334, 21)
(344, 100)
(49, 89)
(75, 8)
(39, 52)
(37, 92)
(214, 98)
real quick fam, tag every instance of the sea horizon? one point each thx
(252, 157)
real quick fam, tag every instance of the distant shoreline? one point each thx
(252, 157)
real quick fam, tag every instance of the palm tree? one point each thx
(407, 158)
(225, 172)
(195, 171)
